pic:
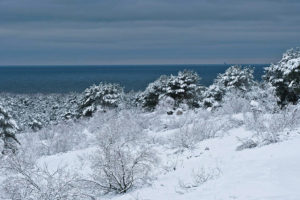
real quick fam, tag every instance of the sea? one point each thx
(66, 79)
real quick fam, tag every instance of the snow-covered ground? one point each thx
(270, 172)
(237, 139)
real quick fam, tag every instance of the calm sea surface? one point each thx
(62, 79)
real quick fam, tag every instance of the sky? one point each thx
(96, 32)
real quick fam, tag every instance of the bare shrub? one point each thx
(62, 138)
(102, 122)
(234, 102)
(121, 161)
(189, 135)
(261, 124)
(270, 128)
(246, 143)
(59, 138)
(117, 168)
(199, 177)
(25, 180)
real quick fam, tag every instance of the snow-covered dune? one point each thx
(269, 172)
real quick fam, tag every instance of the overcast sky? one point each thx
(146, 31)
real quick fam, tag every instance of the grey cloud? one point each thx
(141, 10)
(146, 31)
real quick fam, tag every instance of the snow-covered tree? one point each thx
(183, 88)
(150, 97)
(235, 78)
(122, 161)
(285, 77)
(25, 179)
(8, 130)
(102, 95)
(212, 96)
(263, 98)
(35, 111)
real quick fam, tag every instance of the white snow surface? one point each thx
(270, 172)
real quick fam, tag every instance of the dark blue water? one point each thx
(62, 79)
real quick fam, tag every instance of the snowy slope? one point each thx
(270, 172)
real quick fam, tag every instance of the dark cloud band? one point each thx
(152, 31)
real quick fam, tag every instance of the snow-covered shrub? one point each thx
(8, 131)
(61, 138)
(260, 123)
(259, 98)
(234, 102)
(129, 100)
(191, 134)
(285, 77)
(183, 88)
(246, 143)
(271, 128)
(263, 98)
(131, 119)
(212, 96)
(286, 119)
(124, 158)
(166, 104)
(175, 121)
(234, 78)
(199, 177)
(102, 95)
(289, 118)
(35, 111)
(119, 167)
(25, 180)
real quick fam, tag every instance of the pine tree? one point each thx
(183, 88)
(103, 95)
(212, 96)
(149, 99)
(285, 77)
(235, 78)
(8, 130)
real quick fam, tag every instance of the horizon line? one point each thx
(91, 65)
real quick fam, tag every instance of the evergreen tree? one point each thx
(285, 77)
(8, 130)
(103, 95)
(213, 96)
(183, 88)
(235, 78)
(150, 97)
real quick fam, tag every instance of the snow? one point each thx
(270, 172)
(71, 161)
(243, 147)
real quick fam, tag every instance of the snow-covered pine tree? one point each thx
(235, 77)
(104, 95)
(183, 88)
(8, 130)
(285, 77)
(150, 97)
(213, 96)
